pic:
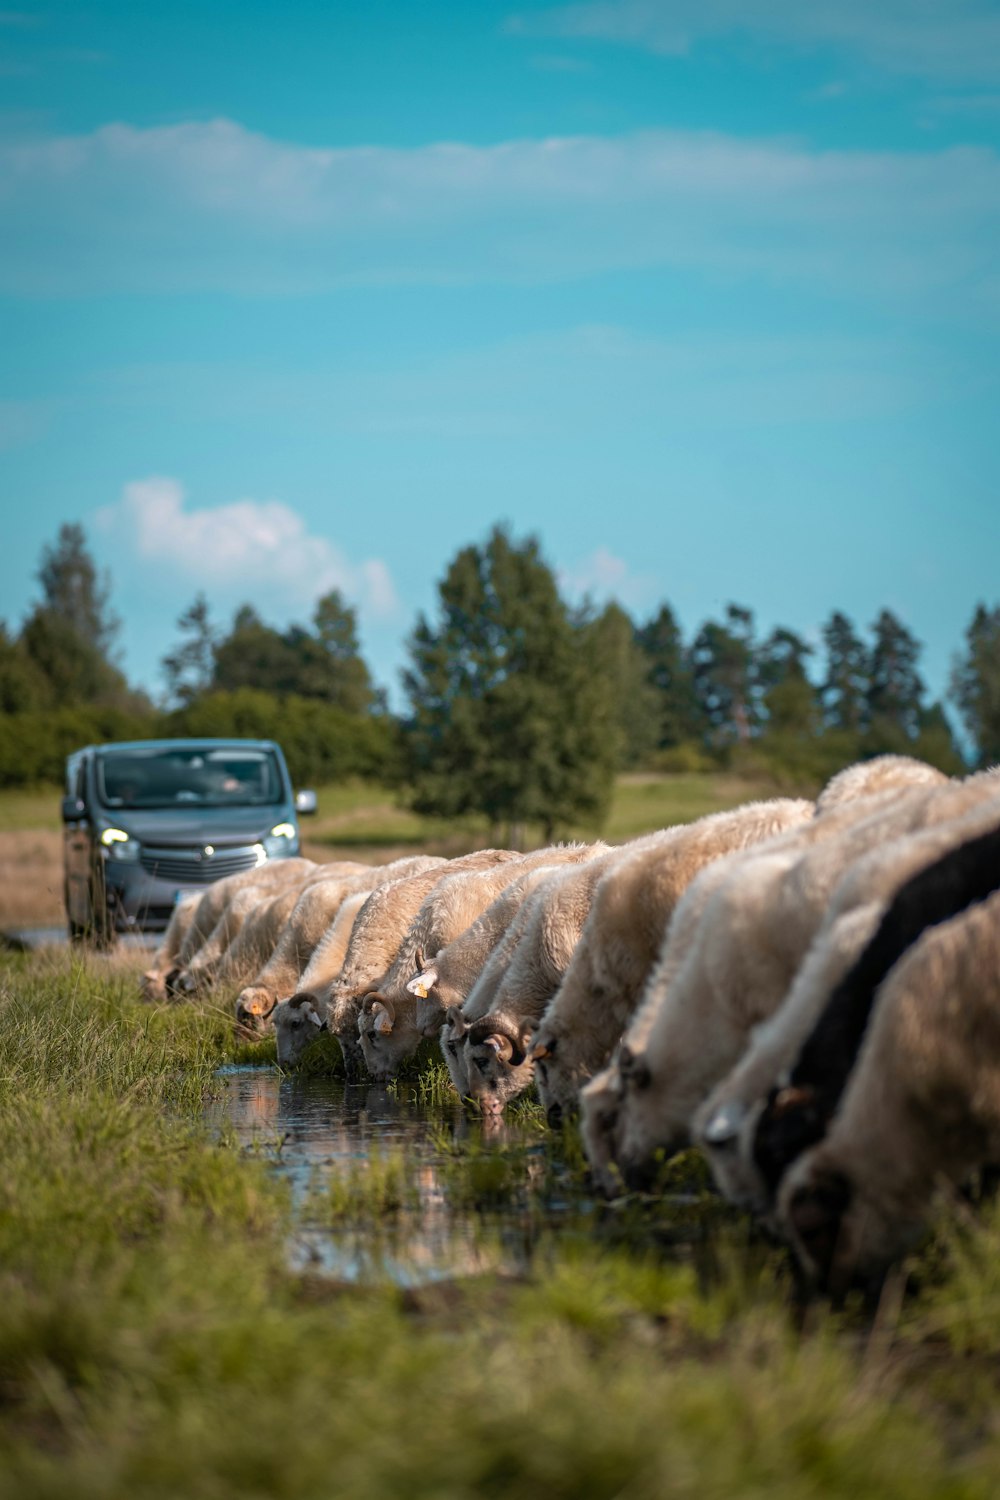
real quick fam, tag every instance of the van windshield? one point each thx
(210, 777)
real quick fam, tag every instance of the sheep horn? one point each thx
(502, 1045)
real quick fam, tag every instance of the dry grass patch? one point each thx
(31, 878)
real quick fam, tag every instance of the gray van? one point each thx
(150, 820)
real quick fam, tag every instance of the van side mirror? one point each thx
(72, 809)
(305, 802)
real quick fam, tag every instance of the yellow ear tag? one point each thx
(420, 990)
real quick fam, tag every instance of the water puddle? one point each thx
(388, 1187)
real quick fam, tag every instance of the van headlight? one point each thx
(120, 845)
(281, 841)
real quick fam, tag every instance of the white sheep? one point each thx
(388, 1025)
(755, 931)
(778, 1098)
(867, 778)
(308, 921)
(921, 1109)
(213, 901)
(479, 997)
(299, 1020)
(632, 906)
(493, 1066)
(379, 929)
(255, 940)
(445, 983)
(601, 1100)
(196, 972)
(153, 983)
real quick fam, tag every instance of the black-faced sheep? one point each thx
(779, 1098)
(755, 931)
(921, 1109)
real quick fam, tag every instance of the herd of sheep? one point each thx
(808, 992)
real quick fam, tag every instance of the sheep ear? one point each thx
(457, 1023)
(383, 1017)
(539, 1051)
(312, 1014)
(422, 984)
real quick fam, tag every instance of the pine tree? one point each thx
(509, 717)
(69, 636)
(74, 592)
(788, 698)
(189, 669)
(335, 631)
(669, 673)
(975, 683)
(895, 688)
(725, 676)
(633, 701)
(844, 690)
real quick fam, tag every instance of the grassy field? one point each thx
(355, 820)
(154, 1343)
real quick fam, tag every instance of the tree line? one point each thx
(519, 705)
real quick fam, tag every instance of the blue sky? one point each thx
(705, 294)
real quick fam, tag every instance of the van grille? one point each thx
(194, 867)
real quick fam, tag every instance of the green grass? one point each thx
(153, 1342)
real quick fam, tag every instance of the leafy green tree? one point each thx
(324, 663)
(725, 676)
(508, 716)
(633, 701)
(254, 655)
(845, 686)
(190, 667)
(669, 673)
(342, 676)
(895, 688)
(975, 683)
(22, 686)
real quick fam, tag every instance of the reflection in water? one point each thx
(317, 1130)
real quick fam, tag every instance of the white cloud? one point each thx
(938, 39)
(212, 205)
(243, 547)
(602, 576)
